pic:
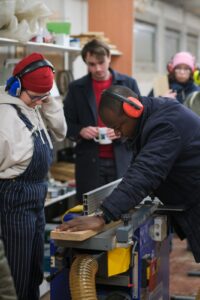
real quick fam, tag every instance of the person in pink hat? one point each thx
(180, 76)
(30, 120)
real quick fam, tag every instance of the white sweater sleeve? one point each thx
(53, 115)
(16, 146)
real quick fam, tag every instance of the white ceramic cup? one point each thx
(103, 139)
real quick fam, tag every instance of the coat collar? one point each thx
(85, 83)
(117, 78)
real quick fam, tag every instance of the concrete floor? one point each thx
(45, 297)
(181, 262)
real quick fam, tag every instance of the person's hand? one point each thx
(83, 223)
(112, 134)
(170, 94)
(89, 132)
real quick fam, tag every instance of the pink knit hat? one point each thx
(183, 58)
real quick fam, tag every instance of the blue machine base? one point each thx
(148, 274)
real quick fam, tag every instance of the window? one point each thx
(172, 44)
(192, 44)
(145, 45)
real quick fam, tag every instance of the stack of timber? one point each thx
(62, 171)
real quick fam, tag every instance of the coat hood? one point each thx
(5, 98)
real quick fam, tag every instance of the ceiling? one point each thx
(192, 6)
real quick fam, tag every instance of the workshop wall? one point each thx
(116, 21)
(76, 12)
(120, 27)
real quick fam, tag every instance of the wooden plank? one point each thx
(80, 235)
(63, 171)
(72, 236)
(160, 85)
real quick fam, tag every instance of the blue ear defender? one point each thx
(13, 86)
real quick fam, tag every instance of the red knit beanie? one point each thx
(39, 80)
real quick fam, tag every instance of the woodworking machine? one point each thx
(128, 260)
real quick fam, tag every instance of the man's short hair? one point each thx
(95, 47)
(112, 103)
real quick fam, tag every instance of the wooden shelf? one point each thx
(115, 52)
(47, 47)
(40, 46)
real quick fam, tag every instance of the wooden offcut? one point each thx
(80, 235)
(160, 85)
(63, 171)
(72, 236)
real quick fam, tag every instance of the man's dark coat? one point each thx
(166, 162)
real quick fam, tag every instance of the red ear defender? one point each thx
(131, 105)
(133, 110)
(170, 67)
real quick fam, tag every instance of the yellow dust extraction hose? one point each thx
(82, 278)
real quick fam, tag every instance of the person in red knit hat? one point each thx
(30, 119)
(40, 80)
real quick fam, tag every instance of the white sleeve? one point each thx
(53, 114)
(16, 145)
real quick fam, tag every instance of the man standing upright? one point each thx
(96, 163)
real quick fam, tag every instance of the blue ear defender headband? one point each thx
(13, 84)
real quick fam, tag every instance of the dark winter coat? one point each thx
(81, 111)
(166, 162)
(183, 90)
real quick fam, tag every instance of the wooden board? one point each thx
(160, 85)
(63, 171)
(80, 235)
(72, 236)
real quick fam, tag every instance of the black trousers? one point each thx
(107, 171)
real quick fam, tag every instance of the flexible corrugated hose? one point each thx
(82, 278)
